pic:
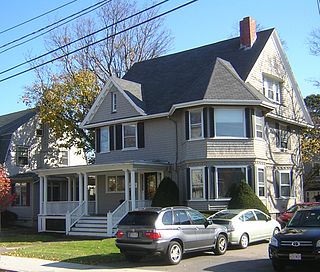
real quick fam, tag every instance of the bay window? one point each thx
(229, 122)
(259, 124)
(261, 183)
(196, 124)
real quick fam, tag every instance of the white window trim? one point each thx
(257, 119)
(202, 125)
(230, 137)
(217, 182)
(260, 167)
(113, 102)
(272, 79)
(202, 168)
(136, 136)
(107, 187)
(108, 145)
(286, 185)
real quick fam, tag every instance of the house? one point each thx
(208, 118)
(25, 145)
(312, 181)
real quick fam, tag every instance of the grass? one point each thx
(60, 248)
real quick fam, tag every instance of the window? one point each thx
(285, 184)
(229, 122)
(197, 183)
(261, 216)
(227, 177)
(22, 155)
(181, 218)
(115, 184)
(271, 89)
(248, 216)
(39, 130)
(261, 182)
(282, 136)
(129, 136)
(195, 125)
(64, 157)
(22, 194)
(104, 139)
(197, 218)
(113, 102)
(167, 218)
(259, 124)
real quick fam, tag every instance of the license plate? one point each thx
(133, 234)
(295, 256)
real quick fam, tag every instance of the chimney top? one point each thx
(248, 33)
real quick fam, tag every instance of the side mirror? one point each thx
(207, 223)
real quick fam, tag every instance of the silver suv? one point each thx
(169, 232)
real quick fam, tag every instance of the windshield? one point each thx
(139, 219)
(305, 218)
(224, 215)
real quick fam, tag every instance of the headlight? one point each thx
(318, 243)
(274, 242)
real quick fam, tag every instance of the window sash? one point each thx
(229, 123)
(259, 124)
(196, 124)
(285, 184)
(104, 140)
(197, 183)
(115, 184)
(261, 182)
(114, 102)
(129, 136)
(22, 155)
(20, 189)
(272, 89)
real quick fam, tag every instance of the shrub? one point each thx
(8, 218)
(243, 197)
(167, 194)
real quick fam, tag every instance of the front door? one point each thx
(151, 185)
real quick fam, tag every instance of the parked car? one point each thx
(169, 232)
(299, 241)
(285, 217)
(246, 225)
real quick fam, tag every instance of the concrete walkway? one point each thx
(36, 265)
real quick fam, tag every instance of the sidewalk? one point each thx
(36, 265)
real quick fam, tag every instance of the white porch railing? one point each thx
(74, 216)
(60, 207)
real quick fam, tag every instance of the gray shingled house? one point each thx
(25, 145)
(207, 117)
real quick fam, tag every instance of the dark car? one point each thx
(169, 232)
(285, 217)
(299, 241)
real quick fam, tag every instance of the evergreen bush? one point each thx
(167, 194)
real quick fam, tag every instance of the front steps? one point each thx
(90, 226)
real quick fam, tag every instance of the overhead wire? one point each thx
(84, 37)
(37, 17)
(98, 41)
(54, 23)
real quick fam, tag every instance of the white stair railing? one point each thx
(73, 217)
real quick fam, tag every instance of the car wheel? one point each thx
(244, 241)
(275, 231)
(133, 258)
(174, 253)
(278, 265)
(221, 245)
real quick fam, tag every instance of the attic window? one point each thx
(113, 102)
(272, 89)
(22, 155)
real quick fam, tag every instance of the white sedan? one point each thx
(246, 226)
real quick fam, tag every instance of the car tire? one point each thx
(244, 241)
(221, 245)
(174, 253)
(278, 266)
(133, 258)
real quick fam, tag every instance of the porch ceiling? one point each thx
(96, 168)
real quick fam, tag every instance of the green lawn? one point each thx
(60, 248)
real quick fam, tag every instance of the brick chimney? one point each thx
(248, 33)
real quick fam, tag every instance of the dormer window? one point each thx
(113, 102)
(272, 89)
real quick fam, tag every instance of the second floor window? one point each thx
(104, 139)
(259, 124)
(129, 136)
(282, 137)
(22, 155)
(272, 89)
(195, 126)
(229, 122)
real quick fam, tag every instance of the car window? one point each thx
(292, 209)
(305, 218)
(261, 216)
(181, 218)
(249, 216)
(197, 218)
(224, 215)
(139, 218)
(167, 218)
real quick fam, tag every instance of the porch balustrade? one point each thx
(60, 207)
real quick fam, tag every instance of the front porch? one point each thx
(100, 191)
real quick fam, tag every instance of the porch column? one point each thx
(74, 187)
(126, 185)
(69, 189)
(80, 188)
(133, 189)
(85, 192)
(41, 195)
(45, 194)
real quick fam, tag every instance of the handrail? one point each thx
(73, 217)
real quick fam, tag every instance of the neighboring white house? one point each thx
(26, 145)
(207, 117)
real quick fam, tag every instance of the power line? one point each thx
(37, 17)
(84, 37)
(59, 21)
(98, 41)
(16, 45)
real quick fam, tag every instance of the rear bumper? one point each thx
(152, 248)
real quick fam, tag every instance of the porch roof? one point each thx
(95, 168)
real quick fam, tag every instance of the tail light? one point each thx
(119, 234)
(153, 235)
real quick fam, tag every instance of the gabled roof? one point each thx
(188, 76)
(9, 123)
